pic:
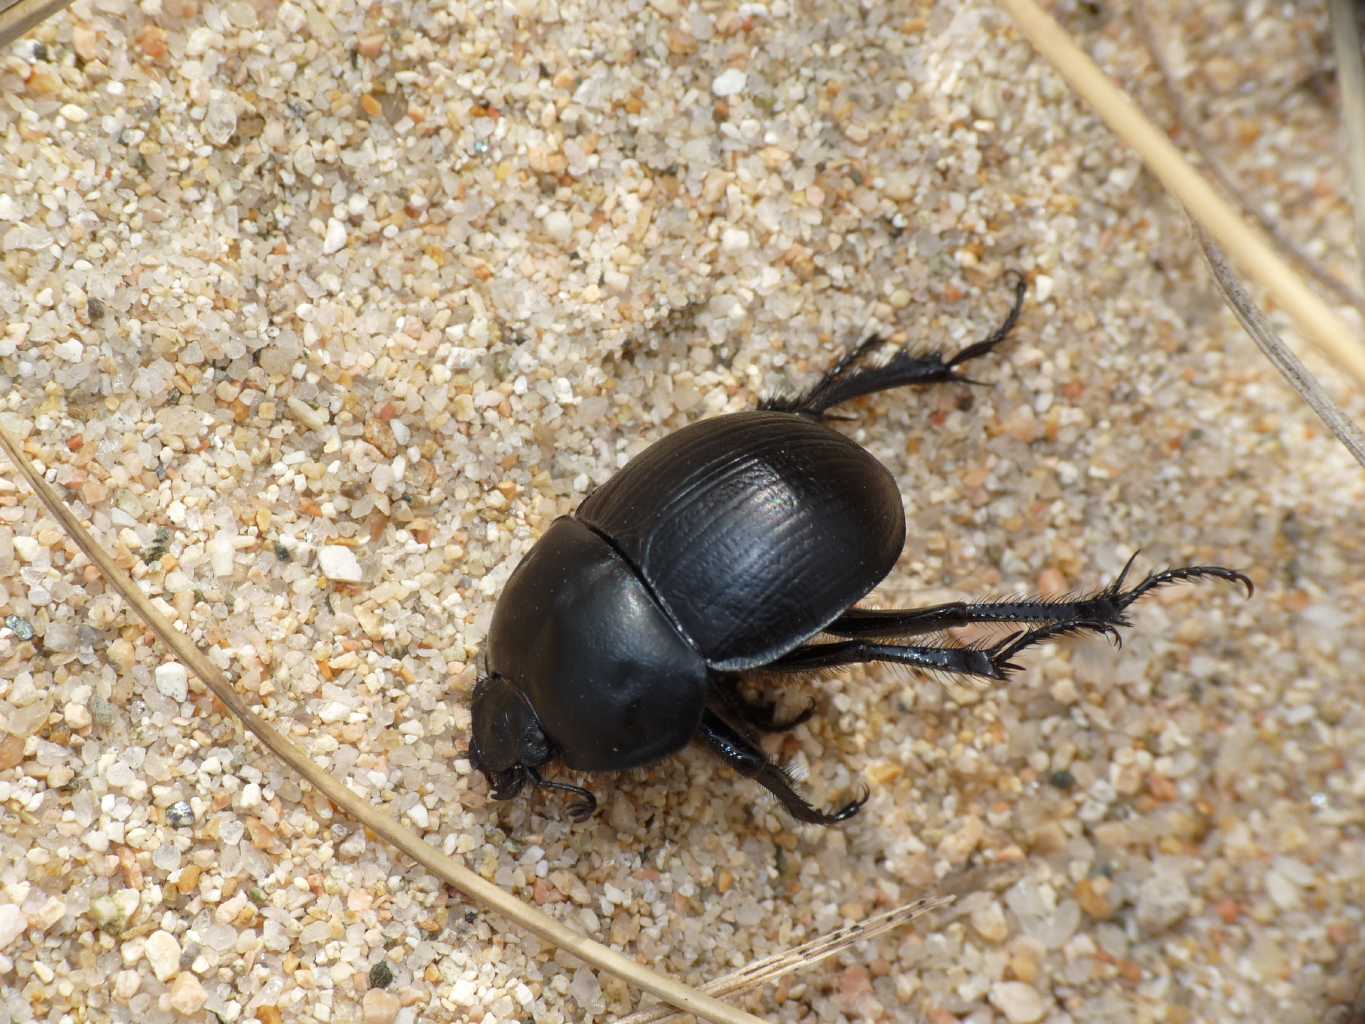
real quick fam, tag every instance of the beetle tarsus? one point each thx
(1002, 332)
(848, 379)
(1153, 580)
(744, 757)
(581, 809)
(1011, 645)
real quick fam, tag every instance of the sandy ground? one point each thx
(373, 292)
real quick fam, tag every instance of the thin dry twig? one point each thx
(1279, 354)
(1315, 319)
(1351, 79)
(18, 16)
(770, 968)
(402, 838)
(1189, 125)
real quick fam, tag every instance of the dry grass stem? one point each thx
(1190, 128)
(377, 821)
(1313, 317)
(1279, 354)
(800, 957)
(18, 16)
(1351, 80)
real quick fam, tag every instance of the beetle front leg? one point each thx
(741, 755)
(584, 805)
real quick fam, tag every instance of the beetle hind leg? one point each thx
(1106, 607)
(851, 378)
(741, 755)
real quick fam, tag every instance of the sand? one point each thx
(320, 314)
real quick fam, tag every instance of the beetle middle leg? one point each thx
(1104, 611)
(744, 757)
(991, 662)
(849, 378)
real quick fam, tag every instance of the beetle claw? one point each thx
(581, 810)
(852, 807)
(845, 812)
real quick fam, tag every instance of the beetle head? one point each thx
(508, 742)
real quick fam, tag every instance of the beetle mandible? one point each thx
(722, 549)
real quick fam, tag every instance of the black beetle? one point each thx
(720, 550)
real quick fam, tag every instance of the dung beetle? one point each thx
(722, 550)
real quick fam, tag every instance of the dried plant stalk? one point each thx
(771, 968)
(19, 16)
(397, 835)
(1279, 354)
(1190, 129)
(1351, 80)
(1316, 320)
(800, 957)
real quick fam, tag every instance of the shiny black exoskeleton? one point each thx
(723, 549)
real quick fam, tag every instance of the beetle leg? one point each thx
(905, 622)
(846, 380)
(581, 809)
(741, 755)
(1123, 598)
(855, 355)
(991, 662)
(761, 715)
(966, 661)
(1107, 606)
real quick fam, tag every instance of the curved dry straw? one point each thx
(402, 838)
(18, 16)
(770, 968)
(1315, 319)
(1192, 129)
